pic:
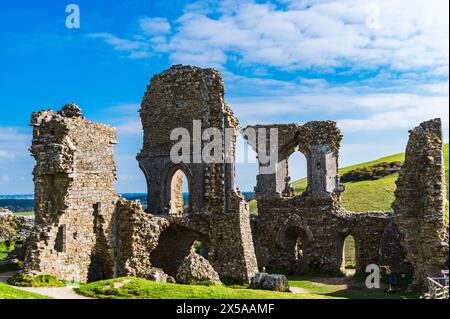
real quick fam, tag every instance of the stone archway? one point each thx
(172, 192)
(294, 239)
(174, 244)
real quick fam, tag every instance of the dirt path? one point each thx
(56, 293)
(298, 290)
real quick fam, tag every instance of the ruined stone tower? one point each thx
(75, 198)
(420, 202)
(190, 99)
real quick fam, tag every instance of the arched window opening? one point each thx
(297, 173)
(246, 170)
(349, 255)
(179, 194)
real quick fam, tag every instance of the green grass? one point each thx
(374, 195)
(349, 252)
(313, 286)
(300, 186)
(24, 214)
(3, 251)
(137, 288)
(23, 280)
(8, 292)
(253, 206)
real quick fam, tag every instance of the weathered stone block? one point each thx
(196, 268)
(270, 282)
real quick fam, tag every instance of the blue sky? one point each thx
(377, 68)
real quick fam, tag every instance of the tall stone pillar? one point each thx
(419, 204)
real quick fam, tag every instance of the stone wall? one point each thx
(84, 231)
(301, 233)
(320, 228)
(216, 213)
(138, 235)
(420, 202)
(75, 197)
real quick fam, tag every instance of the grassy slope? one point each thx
(370, 195)
(8, 292)
(138, 288)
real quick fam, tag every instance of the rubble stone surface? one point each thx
(15, 229)
(195, 268)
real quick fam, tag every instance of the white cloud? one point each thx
(6, 179)
(406, 117)
(130, 126)
(14, 143)
(154, 26)
(355, 107)
(15, 159)
(135, 48)
(7, 155)
(334, 101)
(13, 134)
(321, 35)
(125, 117)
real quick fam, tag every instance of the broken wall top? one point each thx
(307, 136)
(175, 98)
(58, 136)
(421, 186)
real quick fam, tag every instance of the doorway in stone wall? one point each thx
(296, 244)
(349, 255)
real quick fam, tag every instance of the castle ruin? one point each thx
(306, 232)
(85, 231)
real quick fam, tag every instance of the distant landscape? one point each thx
(359, 196)
(25, 203)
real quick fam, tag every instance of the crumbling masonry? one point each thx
(85, 231)
(420, 202)
(216, 213)
(301, 233)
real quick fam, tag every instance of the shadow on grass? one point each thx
(350, 287)
(366, 293)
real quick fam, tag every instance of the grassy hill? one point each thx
(373, 195)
